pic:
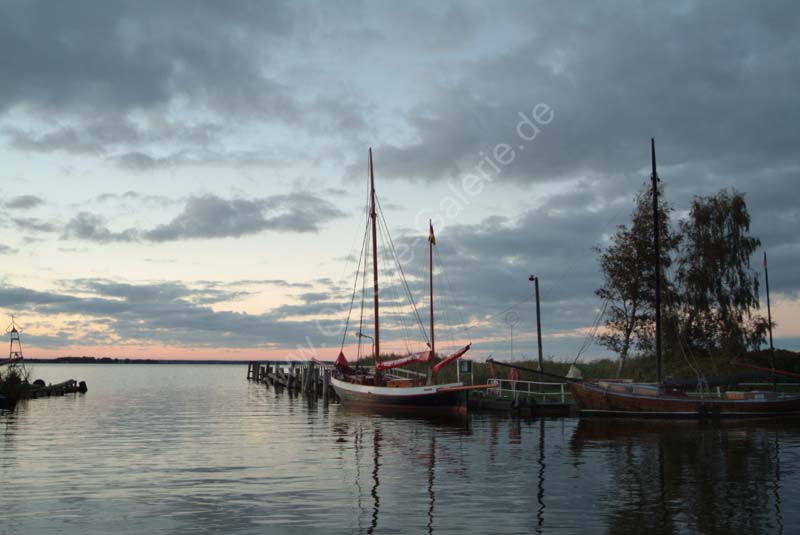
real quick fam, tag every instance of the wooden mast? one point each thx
(656, 245)
(373, 215)
(431, 243)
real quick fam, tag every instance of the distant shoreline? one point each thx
(107, 360)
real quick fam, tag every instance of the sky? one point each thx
(187, 179)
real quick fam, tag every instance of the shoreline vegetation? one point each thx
(641, 368)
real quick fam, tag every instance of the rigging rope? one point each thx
(403, 276)
(449, 300)
(355, 285)
(589, 340)
(395, 300)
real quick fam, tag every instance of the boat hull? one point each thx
(447, 398)
(595, 399)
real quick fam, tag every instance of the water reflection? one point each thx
(670, 476)
(411, 442)
(197, 450)
(540, 481)
(376, 463)
(431, 480)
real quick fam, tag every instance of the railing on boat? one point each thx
(534, 389)
(406, 374)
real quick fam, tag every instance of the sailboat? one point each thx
(382, 386)
(646, 399)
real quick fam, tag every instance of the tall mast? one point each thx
(431, 243)
(654, 178)
(373, 215)
(769, 315)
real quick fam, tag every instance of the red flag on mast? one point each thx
(431, 237)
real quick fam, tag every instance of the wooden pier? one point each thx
(311, 377)
(67, 387)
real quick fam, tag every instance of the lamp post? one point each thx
(535, 281)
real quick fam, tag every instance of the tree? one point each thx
(719, 289)
(628, 268)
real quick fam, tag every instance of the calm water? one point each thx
(197, 449)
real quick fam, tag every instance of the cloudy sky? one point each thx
(187, 179)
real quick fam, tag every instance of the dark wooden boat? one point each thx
(621, 398)
(637, 399)
(379, 386)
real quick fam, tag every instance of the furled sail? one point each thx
(422, 356)
(451, 358)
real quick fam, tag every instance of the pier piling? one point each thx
(310, 378)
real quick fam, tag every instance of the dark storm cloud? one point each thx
(550, 241)
(33, 224)
(713, 82)
(92, 227)
(136, 56)
(710, 80)
(109, 75)
(167, 312)
(138, 161)
(24, 202)
(206, 294)
(114, 133)
(213, 217)
(210, 216)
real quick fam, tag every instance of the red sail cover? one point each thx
(422, 356)
(451, 358)
(341, 362)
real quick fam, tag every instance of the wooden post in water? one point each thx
(326, 375)
(280, 375)
(310, 384)
(249, 370)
